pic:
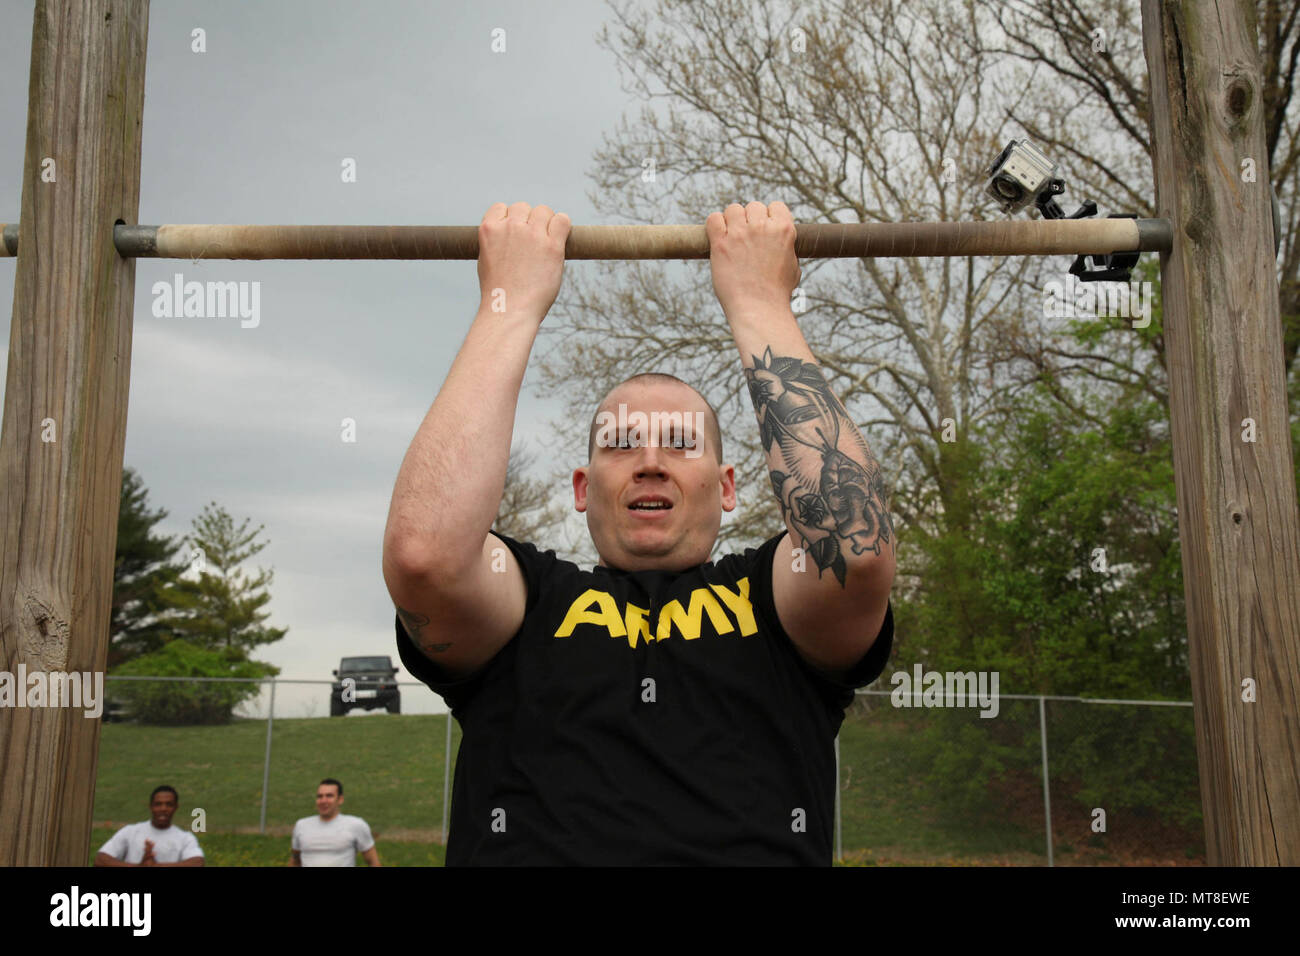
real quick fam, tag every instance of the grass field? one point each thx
(391, 767)
(392, 770)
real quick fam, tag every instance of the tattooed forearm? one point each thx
(830, 488)
(414, 623)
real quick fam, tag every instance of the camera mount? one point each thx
(1022, 175)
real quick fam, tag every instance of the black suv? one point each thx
(374, 683)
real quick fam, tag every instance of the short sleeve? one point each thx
(117, 845)
(190, 846)
(362, 838)
(837, 692)
(296, 841)
(459, 691)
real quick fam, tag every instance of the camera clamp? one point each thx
(1023, 175)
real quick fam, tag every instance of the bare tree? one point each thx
(864, 112)
(1090, 105)
(879, 111)
(531, 509)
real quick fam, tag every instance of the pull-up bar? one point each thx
(812, 240)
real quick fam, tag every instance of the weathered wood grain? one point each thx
(1237, 512)
(69, 365)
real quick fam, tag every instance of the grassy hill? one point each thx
(391, 767)
(392, 770)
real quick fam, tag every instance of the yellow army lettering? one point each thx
(600, 608)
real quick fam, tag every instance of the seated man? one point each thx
(332, 838)
(660, 708)
(155, 842)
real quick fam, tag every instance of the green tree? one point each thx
(1062, 573)
(209, 627)
(144, 571)
(222, 609)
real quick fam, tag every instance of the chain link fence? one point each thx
(1047, 781)
(257, 772)
(1044, 781)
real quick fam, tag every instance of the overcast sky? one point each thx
(254, 130)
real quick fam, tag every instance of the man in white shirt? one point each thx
(332, 838)
(155, 842)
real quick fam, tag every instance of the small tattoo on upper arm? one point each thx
(412, 621)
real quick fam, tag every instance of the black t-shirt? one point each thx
(646, 717)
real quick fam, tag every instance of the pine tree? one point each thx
(222, 608)
(208, 628)
(144, 571)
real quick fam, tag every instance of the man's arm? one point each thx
(364, 838)
(114, 852)
(295, 858)
(151, 860)
(103, 859)
(831, 602)
(438, 554)
(190, 854)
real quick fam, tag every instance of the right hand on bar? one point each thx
(521, 259)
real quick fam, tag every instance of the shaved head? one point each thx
(712, 430)
(668, 461)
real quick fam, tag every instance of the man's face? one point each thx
(655, 504)
(161, 808)
(328, 801)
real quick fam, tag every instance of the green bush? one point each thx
(186, 702)
(966, 756)
(1131, 760)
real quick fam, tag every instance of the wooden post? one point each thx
(1237, 512)
(65, 403)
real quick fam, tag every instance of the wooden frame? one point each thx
(69, 365)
